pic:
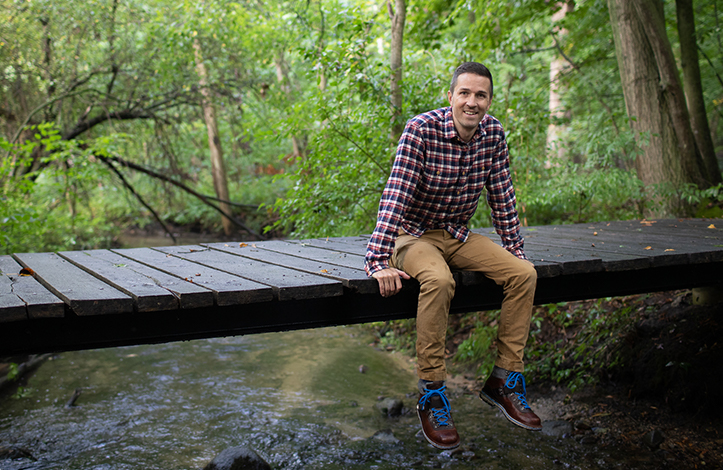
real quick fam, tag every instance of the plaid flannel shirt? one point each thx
(436, 182)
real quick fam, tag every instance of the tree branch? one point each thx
(203, 198)
(39, 108)
(126, 114)
(138, 196)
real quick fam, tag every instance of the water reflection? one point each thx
(298, 398)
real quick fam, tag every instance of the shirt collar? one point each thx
(450, 132)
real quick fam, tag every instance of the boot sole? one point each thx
(434, 444)
(487, 399)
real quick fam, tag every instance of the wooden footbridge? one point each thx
(100, 298)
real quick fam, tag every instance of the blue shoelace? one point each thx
(441, 415)
(511, 383)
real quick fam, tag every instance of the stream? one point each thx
(300, 399)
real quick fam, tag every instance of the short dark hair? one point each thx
(471, 67)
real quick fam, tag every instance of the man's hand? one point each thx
(389, 281)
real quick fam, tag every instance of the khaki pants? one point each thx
(429, 259)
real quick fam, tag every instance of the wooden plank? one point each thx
(580, 259)
(12, 308)
(39, 301)
(660, 249)
(147, 296)
(690, 234)
(189, 295)
(309, 252)
(570, 262)
(227, 289)
(684, 228)
(288, 284)
(351, 245)
(343, 267)
(615, 257)
(83, 293)
(545, 257)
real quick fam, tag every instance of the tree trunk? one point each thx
(654, 102)
(218, 170)
(398, 15)
(555, 131)
(694, 89)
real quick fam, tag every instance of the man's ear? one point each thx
(449, 97)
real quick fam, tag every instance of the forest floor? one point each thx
(661, 403)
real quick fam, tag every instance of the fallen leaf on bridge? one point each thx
(242, 245)
(648, 247)
(27, 272)
(711, 226)
(670, 249)
(324, 271)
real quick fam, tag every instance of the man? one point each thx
(444, 159)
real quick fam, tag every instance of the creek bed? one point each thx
(300, 399)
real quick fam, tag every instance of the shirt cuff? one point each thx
(375, 266)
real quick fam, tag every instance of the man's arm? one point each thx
(396, 198)
(501, 199)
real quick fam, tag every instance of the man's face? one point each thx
(470, 101)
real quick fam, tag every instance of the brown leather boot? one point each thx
(435, 414)
(509, 396)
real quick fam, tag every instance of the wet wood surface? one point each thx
(100, 298)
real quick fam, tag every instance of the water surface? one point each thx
(297, 398)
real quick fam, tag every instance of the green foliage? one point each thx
(33, 215)
(316, 72)
(572, 193)
(479, 348)
(13, 371)
(397, 335)
(22, 392)
(573, 344)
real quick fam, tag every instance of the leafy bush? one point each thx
(573, 343)
(51, 208)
